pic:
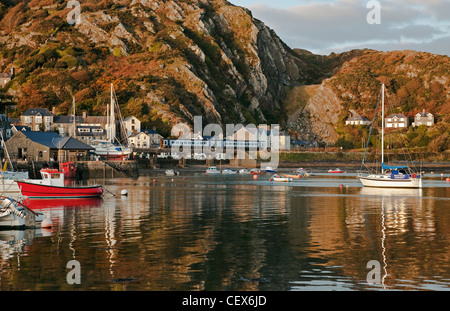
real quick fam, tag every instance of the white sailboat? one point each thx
(108, 149)
(390, 176)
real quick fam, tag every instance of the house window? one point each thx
(40, 154)
(38, 119)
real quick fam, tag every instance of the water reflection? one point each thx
(204, 233)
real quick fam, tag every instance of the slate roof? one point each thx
(35, 111)
(67, 119)
(357, 118)
(54, 141)
(70, 143)
(398, 115)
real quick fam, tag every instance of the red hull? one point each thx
(55, 203)
(44, 191)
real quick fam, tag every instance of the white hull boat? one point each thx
(228, 171)
(14, 216)
(388, 181)
(212, 171)
(278, 178)
(391, 176)
(171, 173)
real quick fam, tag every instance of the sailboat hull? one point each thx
(383, 181)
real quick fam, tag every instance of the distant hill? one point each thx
(414, 81)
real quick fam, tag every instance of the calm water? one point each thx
(235, 233)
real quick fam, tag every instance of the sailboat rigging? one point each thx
(390, 176)
(108, 149)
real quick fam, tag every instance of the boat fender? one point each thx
(270, 179)
(46, 223)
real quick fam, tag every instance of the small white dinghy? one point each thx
(15, 215)
(279, 178)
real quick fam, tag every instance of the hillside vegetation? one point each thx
(415, 81)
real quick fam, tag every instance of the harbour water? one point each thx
(219, 233)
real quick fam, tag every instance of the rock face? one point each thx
(207, 58)
(318, 119)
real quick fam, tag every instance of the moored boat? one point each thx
(244, 171)
(279, 178)
(171, 172)
(256, 171)
(335, 171)
(212, 171)
(391, 176)
(15, 215)
(52, 186)
(228, 171)
(269, 169)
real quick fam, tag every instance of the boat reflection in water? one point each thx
(40, 204)
(394, 215)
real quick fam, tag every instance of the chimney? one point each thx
(54, 111)
(84, 114)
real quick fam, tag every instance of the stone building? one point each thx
(37, 119)
(46, 146)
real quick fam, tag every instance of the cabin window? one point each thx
(40, 154)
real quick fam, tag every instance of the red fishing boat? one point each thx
(52, 186)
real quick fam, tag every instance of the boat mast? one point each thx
(382, 128)
(112, 122)
(74, 123)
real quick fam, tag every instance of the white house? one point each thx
(423, 118)
(397, 120)
(132, 125)
(357, 120)
(145, 139)
(140, 140)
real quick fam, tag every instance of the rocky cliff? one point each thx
(168, 60)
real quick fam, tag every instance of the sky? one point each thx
(325, 26)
